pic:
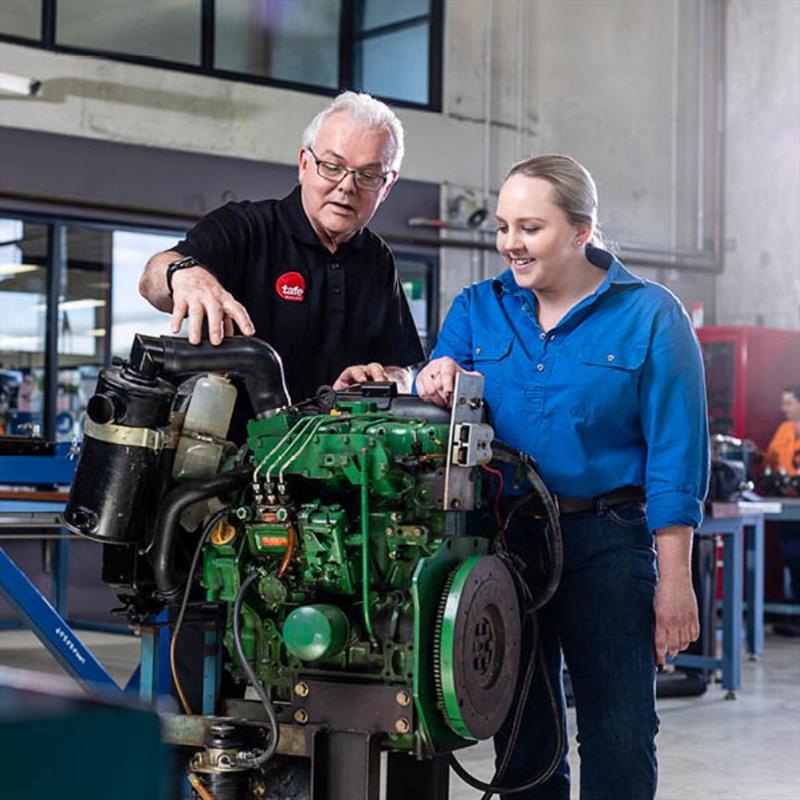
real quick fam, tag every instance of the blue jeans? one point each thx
(601, 618)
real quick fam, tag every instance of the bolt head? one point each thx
(402, 725)
(301, 716)
(301, 689)
(403, 698)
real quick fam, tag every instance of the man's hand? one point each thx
(198, 294)
(436, 382)
(363, 373)
(675, 604)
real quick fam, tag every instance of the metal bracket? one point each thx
(463, 453)
(150, 438)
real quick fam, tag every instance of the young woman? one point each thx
(597, 374)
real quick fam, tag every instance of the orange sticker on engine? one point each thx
(274, 541)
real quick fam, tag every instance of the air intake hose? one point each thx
(257, 362)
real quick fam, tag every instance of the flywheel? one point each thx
(477, 647)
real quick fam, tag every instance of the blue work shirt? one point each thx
(612, 396)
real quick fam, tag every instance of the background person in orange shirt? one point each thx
(783, 452)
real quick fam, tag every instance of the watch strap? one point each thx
(182, 263)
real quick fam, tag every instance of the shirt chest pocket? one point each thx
(491, 356)
(607, 379)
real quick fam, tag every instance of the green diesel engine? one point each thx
(358, 579)
(334, 554)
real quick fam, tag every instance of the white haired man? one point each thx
(304, 273)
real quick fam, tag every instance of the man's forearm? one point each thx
(674, 546)
(153, 283)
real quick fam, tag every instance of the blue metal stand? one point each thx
(52, 630)
(754, 588)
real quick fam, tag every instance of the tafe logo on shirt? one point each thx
(291, 286)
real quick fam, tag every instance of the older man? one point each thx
(304, 273)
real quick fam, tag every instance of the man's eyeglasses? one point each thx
(369, 181)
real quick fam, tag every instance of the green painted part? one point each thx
(365, 599)
(326, 447)
(314, 632)
(448, 645)
(326, 563)
(358, 600)
(427, 586)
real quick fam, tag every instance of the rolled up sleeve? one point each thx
(674, 423)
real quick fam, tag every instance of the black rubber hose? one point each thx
(252, 677)
(169, 515)
(257, 362)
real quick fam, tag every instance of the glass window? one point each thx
(391, 51)
(21, 18)
(130, 312)
(163, 29)
(23, 291)
(416, 278)
(376, 13)
(83, 315)
(291, 41)
(102, 266)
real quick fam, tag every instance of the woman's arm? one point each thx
(677, 623)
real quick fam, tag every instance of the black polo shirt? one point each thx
(321, 311)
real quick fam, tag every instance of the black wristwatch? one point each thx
(181, 263)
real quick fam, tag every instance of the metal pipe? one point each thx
(364, 464)
(700, 232)
(521, 19)
(487, 112)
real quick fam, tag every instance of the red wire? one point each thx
(498, 494)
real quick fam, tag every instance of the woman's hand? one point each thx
(675, 604)
(437, 380)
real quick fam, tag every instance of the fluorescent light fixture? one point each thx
(6, 270)
(98, 332)
(19, 84)
(25, 343)
(69, 305)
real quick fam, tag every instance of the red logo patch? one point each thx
(291, 286)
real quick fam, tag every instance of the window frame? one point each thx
(57, 259)
(347, 39)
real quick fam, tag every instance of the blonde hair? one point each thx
(574, 190)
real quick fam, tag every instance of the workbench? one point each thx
(741, 527)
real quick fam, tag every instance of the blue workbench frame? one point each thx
(52, 629)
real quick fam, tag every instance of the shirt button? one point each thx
(334, 265)
(610, 357)
(542, 335)
(552, 336)
(540, 367)
(336, 290)
(477, 351)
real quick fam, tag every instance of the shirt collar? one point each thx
(301, 229)
(617, 274)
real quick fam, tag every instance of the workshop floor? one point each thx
(709, 747)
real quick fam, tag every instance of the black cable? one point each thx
(507, 454)
(504, 452)
(251, 675)
(215, 518)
